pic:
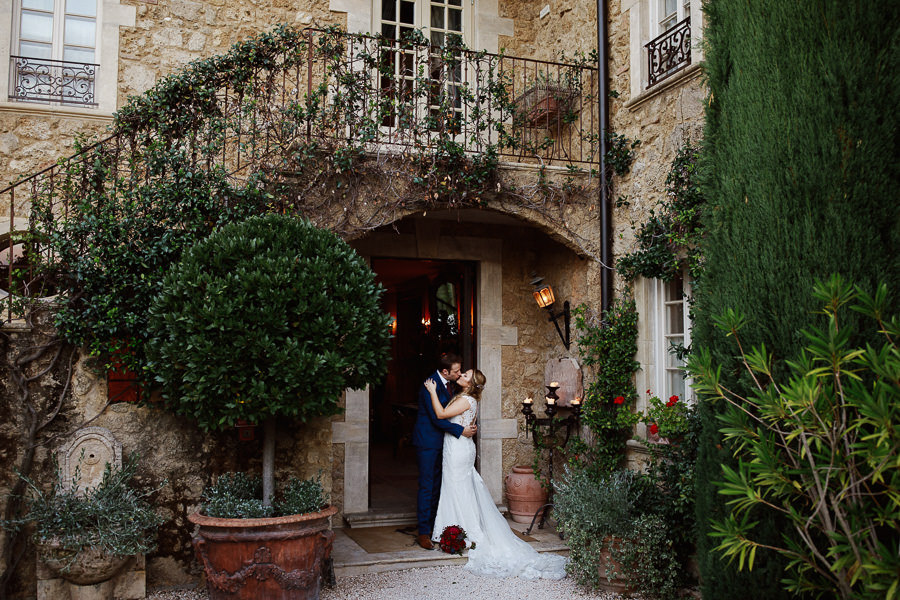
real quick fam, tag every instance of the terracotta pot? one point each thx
(281, 558)
(606, 563)
(524, 494)
(544, 113)
(87, 567)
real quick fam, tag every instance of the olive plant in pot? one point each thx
(86, 536)
(266, 320)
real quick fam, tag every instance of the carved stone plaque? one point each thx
(84, 458)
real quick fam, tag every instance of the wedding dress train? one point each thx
(465, 501)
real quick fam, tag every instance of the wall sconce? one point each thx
(393, 325)
(543, 295)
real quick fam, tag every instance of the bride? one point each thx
(465, 500)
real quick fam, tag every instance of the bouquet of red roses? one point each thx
(453, 539)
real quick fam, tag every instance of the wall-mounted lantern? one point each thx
(543, 295)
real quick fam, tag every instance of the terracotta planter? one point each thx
(524, 494)
(281, 558)
(606, 562)
(88, 567)
(545, 113)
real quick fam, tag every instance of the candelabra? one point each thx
(552, 424)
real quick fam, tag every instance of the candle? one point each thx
(576, 401)
(554, 384)
(528, 401)
(551, 400)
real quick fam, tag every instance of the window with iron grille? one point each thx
(670, 50)
(55, 52)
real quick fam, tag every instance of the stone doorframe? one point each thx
(491, 335)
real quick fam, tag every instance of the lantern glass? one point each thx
(544, 296)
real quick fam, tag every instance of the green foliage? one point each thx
(794, 172)
(818, 447)
(590, 510)
(647, 557)
(608, 348)
(112, 516)
(302, 496)
(611, 535)
(670, 472)
(673, 231)
(268, 317)
(239, 496)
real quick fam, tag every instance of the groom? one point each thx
(428, 438)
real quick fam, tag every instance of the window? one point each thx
(665, 39)
(54, 57)
(438, 19)
(671, 336)
(670, 13)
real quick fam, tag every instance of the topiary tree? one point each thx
(267, 318)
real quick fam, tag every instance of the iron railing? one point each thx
(669, 53)
(46, 80)
(390, 98)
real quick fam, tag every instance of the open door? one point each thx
(432, 304)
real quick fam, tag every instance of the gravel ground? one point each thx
(433, 583)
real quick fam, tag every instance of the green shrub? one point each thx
(819, 448)
(648, 558)
(239, 496)
(271, 317)
(302, 496)
(112, 516)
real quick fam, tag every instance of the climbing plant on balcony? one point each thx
(352, 132)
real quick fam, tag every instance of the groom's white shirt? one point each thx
(444, 381)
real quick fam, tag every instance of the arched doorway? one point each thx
(432, 305)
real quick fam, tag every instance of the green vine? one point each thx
(608, 347)
(671, 235)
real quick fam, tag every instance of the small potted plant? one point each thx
(666, 421)
(86, 536)
(548, 98)
(266, 320)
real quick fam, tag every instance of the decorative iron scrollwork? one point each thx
(669, 53)
(46, 80)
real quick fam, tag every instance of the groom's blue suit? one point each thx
(428, 438)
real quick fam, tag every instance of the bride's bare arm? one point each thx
(452, 409)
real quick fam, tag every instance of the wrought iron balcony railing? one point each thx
(46, 80)
(669, 53)
(324, 90)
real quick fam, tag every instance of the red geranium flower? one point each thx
(654, 429)
(673, 400)
(619, 400)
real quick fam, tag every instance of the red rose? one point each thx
(673, 400)
(654, 429)
(619, 400)
(648, 392)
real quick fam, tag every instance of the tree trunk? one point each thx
(268, 474)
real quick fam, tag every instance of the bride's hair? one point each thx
(477, 385)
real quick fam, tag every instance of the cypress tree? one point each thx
(800, 169)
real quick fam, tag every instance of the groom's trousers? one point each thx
(430, 460)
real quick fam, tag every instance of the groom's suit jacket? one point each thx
(429, 430)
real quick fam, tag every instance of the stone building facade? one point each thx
(505, 245)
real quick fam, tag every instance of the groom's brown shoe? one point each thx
(425, 541)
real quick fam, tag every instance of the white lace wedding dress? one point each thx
(465, 501)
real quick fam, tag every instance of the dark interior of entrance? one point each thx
(432, 307)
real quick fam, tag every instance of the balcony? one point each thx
(298, 110)
(58, 81)
(669, 53)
